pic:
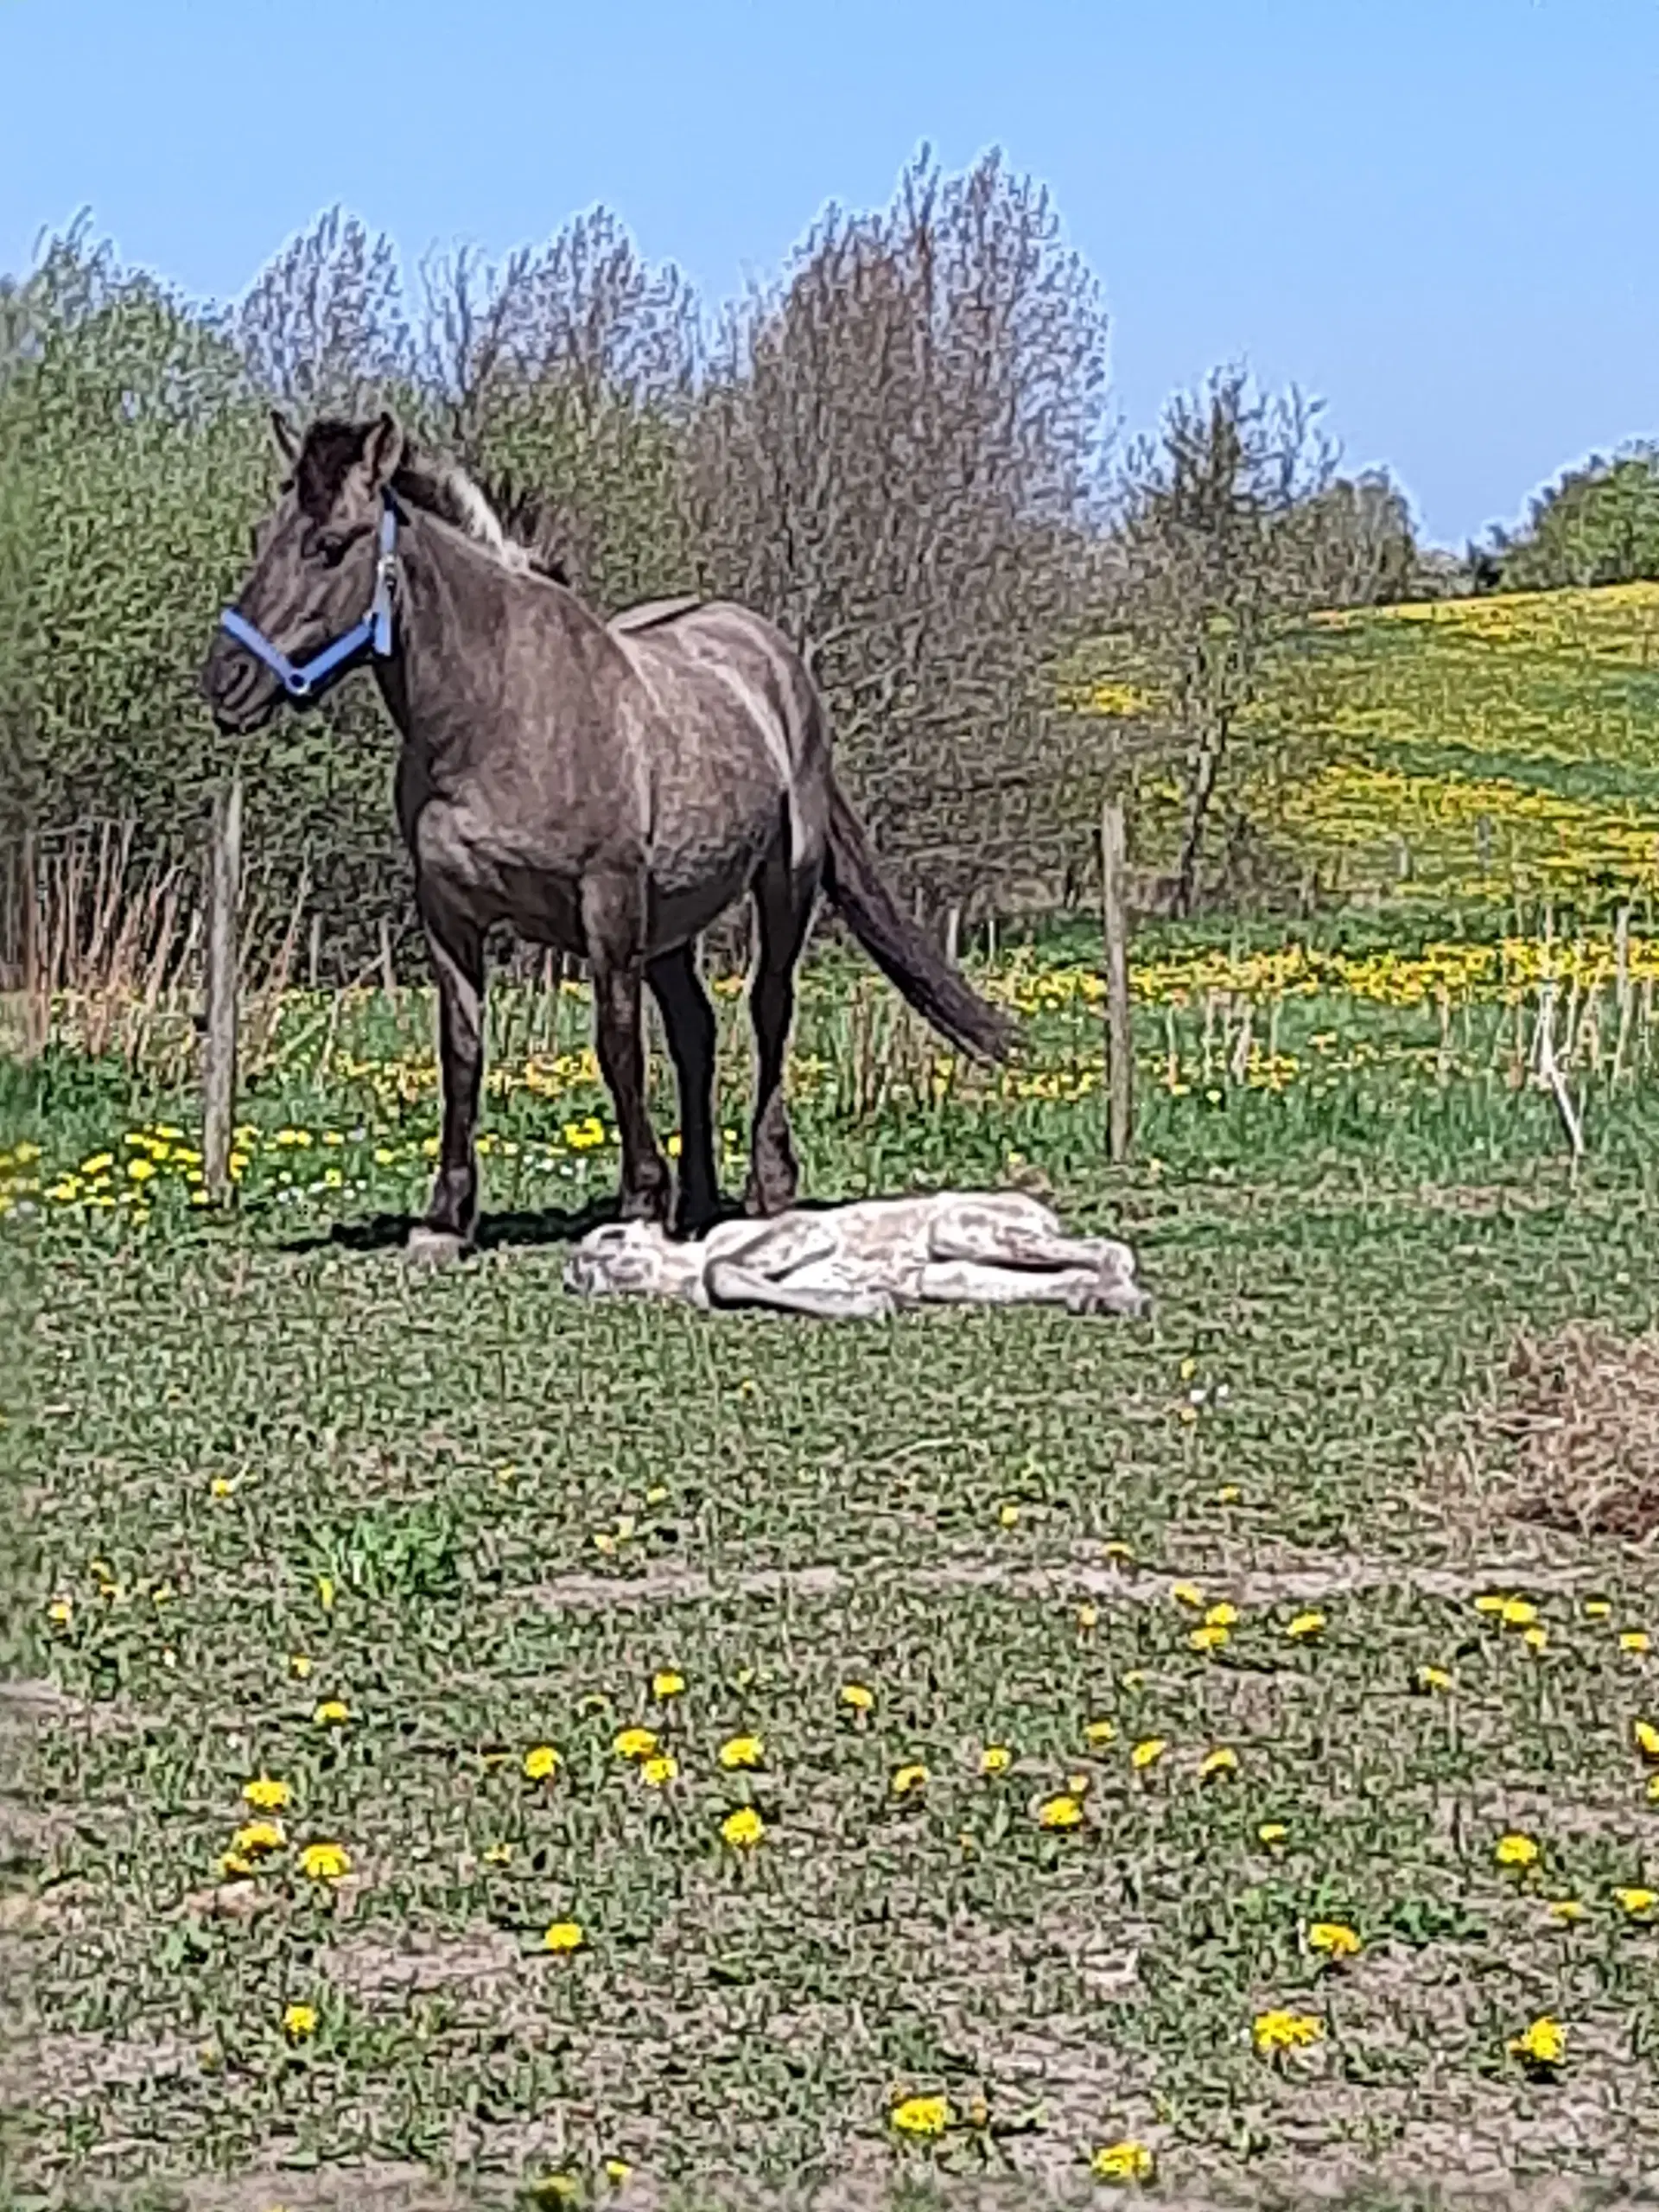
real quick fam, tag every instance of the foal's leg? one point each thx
(783, 912)
(613, 912)
(730, 1282)
(457, 951)
(689, 1021)
(978, 1282)
(1088, 1274)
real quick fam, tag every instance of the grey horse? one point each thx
(609, 789)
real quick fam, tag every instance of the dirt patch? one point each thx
(371, 1969)
(1313, 1578)
(1580, 1415)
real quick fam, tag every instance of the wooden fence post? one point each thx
(1120, 1043)
(218, 1035)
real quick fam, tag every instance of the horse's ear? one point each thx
(383, 449)
(287, 437)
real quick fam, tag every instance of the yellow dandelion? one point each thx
(1007, 1515)
(1149, 1752)
(1638, 1902)
(1518, 1612)
(233, 1864)
(1334, 1939)
(1223, 1760)
(617, 2171)
(1647, 1738)
(1100, 1732)
(1635, 1640)
(1597, 1609)
(1304, 1625)
(742, 1751)
(665, 1683)
(497, 1854)
(1431, 1679)
(325, 1862)
(1061, 1812)
(634, 1743)
(333, 1713)
(908, 1778)
(1187, 1594)
(540, 1761)
(1514, 1849)
(743, 1828)
(1117, 1551)
(1273, 1833)
(1088, 1617)
(299, 2021)
(1123, 2161)
(994, 1759)
(1229, 1494)
(1536, 1639)
(921, 2116)
(658, 1772)
(266, 1794)
(1222, 1616)
(1543, 2045)
(856, 1697)
(1276, 2032)
(1566, 1909)
(60, 1612)
(1210, 1636)
(298, 1665)
(254, 1837)
(564, 1935)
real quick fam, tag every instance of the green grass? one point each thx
(245, 1445)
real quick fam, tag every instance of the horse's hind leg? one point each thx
(457, 951)
(689, 1022)
(783, 912)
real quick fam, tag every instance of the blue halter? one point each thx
(374, 629)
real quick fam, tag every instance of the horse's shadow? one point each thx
(542, 1225)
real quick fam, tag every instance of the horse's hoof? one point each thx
(766, 1201)
(435, 1247)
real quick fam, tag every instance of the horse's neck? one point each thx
(451, 591)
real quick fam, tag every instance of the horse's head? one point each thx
(320, 571)
(624, 1259)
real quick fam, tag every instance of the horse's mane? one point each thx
(515, 525)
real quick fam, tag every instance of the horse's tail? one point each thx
(903, 952)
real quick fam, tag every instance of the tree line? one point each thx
(900, 448)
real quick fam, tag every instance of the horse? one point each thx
(868, 1260)
(607, 789)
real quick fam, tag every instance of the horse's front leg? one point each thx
(614, 919)
(457, 950)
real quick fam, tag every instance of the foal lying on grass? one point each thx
(865, 1261)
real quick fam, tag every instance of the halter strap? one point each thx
(300, 680)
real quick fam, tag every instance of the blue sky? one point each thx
(1440, 215)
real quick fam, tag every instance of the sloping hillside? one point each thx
(1477, 747)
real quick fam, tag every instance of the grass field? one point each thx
(1171, 1758)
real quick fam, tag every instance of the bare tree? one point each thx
(1219, 550)
(570, 368)
(894, 457)
(323, 326)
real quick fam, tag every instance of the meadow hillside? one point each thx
(1469, 749)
